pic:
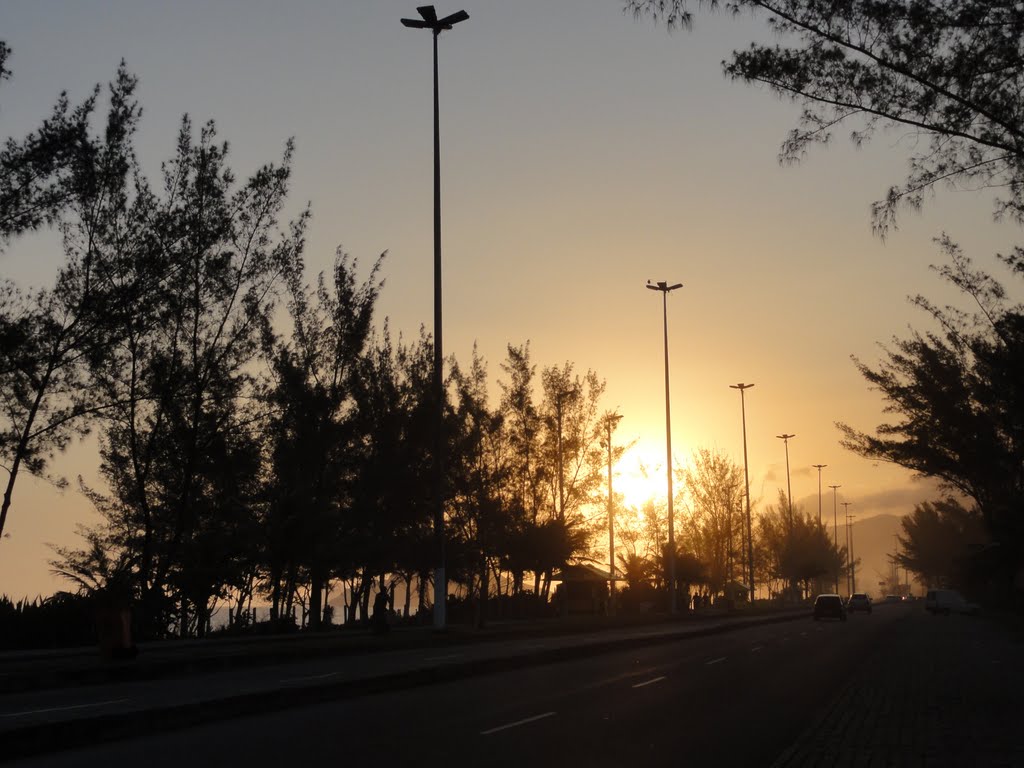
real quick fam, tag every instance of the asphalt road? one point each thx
(734, 699)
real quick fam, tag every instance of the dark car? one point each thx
(858, 602)
(829, 607)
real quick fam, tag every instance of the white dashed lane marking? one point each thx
(62, 709)
(649, 682)
(516, 724)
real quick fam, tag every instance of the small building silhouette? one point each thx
(585, 587)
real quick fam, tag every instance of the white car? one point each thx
(947, 601)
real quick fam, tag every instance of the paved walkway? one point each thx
(948, 691)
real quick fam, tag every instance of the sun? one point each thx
(639, 477)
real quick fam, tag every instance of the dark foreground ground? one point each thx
(896, 688)
(943, 691)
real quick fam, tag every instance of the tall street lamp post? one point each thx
(611, 421)
(849, 547)
(665, 289)
(819, 467)
(746, 479)
(835, 527)
(436, 25)
(853, 560)
(789, 488)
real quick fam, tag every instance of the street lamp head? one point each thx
(819, 467)
(663, 286)
(741, 386)
(784, 436)
(430, 20)
(450, 21)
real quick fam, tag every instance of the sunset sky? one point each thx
(583, 153)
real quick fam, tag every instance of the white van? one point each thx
(947, 601)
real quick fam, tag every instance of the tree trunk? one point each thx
(484, 589)
(275, 594)
(421, 596)
(183, 623)
(408, 594)
(364, 599)
(316, 588)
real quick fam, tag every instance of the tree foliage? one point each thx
(246, 452)
(62, 162)
(796, 548)
(714, 526)
(938, 539)
(957, 395)
(50, 337)
(950, 72)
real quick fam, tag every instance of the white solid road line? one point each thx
(62, 709)
(756, 648)
(447, 657)
(648, 682)
(516, 724)
(715, 661)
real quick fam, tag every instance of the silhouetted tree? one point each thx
(796, 549)
(571, 446)
(957, 395)
(315, 432)
(480, 466)
(391, 520)
(950, 72)
(46, 175)
(177, 451)
(938, 539)
(48, 337)
(528, 471)
(714, 527)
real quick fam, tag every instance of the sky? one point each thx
(584, 152)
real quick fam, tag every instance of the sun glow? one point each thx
(639, 476)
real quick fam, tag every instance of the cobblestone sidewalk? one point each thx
(945, 692)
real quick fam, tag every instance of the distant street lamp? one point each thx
(835, 527)
(819, 467)
(789, 488)
(435, 25)
(610, 422)
(853, 560)
(746, 479)
(665, 289)
(896, 562)
(849, 546)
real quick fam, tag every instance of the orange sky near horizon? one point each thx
(583, 154)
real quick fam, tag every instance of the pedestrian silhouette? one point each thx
(380, 611)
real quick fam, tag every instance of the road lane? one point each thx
(343, 675)
(744, 709)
